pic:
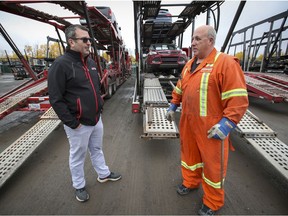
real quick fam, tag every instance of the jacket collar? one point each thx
(208, 60)
(77, 55)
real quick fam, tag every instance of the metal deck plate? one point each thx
(49, 114)
(152, 82)
(251, 126)
(278, 76)
(153, 93)
(154, 96)
(160, 127)
(266, 87)
(13, 157)
(274, 150)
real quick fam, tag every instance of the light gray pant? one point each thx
(81, 139)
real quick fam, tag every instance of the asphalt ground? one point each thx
(150, 170)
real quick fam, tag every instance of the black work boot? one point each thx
(182, 190)
(204, 210)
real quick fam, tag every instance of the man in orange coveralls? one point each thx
(213, 93)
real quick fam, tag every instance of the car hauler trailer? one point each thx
(100, 28)
(110, 40)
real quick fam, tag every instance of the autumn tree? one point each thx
(260, 57)
(40, 51)
(29, 50)
(13, 56)
(239, 55)
(106, 56)
(55, 50)
(133, 59)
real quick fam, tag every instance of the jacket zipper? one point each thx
(91, 82)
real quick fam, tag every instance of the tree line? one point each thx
(41, 52)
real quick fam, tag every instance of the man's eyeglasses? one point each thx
(84, 39)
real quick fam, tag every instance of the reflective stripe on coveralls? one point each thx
(234, 93)
(212, 184)
(178, 90)
(200, 165)
(196, 166)
(204, 86)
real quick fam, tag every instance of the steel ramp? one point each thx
(18, 152)
(264, 140)
(273, 87)
(274, 150)
(155, 104)
(13, 102)
(153, 93)
(156, 126)
(251, 126)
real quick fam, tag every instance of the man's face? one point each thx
(81, 43)
(201, 44)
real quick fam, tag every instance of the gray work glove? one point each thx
(170, 115)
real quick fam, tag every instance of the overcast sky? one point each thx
(24, 31)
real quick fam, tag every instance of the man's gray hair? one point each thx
(70, 31)
(212, 34)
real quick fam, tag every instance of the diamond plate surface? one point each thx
(274, 150)
(49, 114)
(251, 126)
(153, 93)
(159, 127)
(12, 157)
(266, 87)
(154, 96)
(152, 82)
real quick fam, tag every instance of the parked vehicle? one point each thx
(108, 13)
(165, 58)
(164, 16)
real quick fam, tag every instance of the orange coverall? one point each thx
(214, 90)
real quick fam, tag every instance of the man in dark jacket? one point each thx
(74, 93)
